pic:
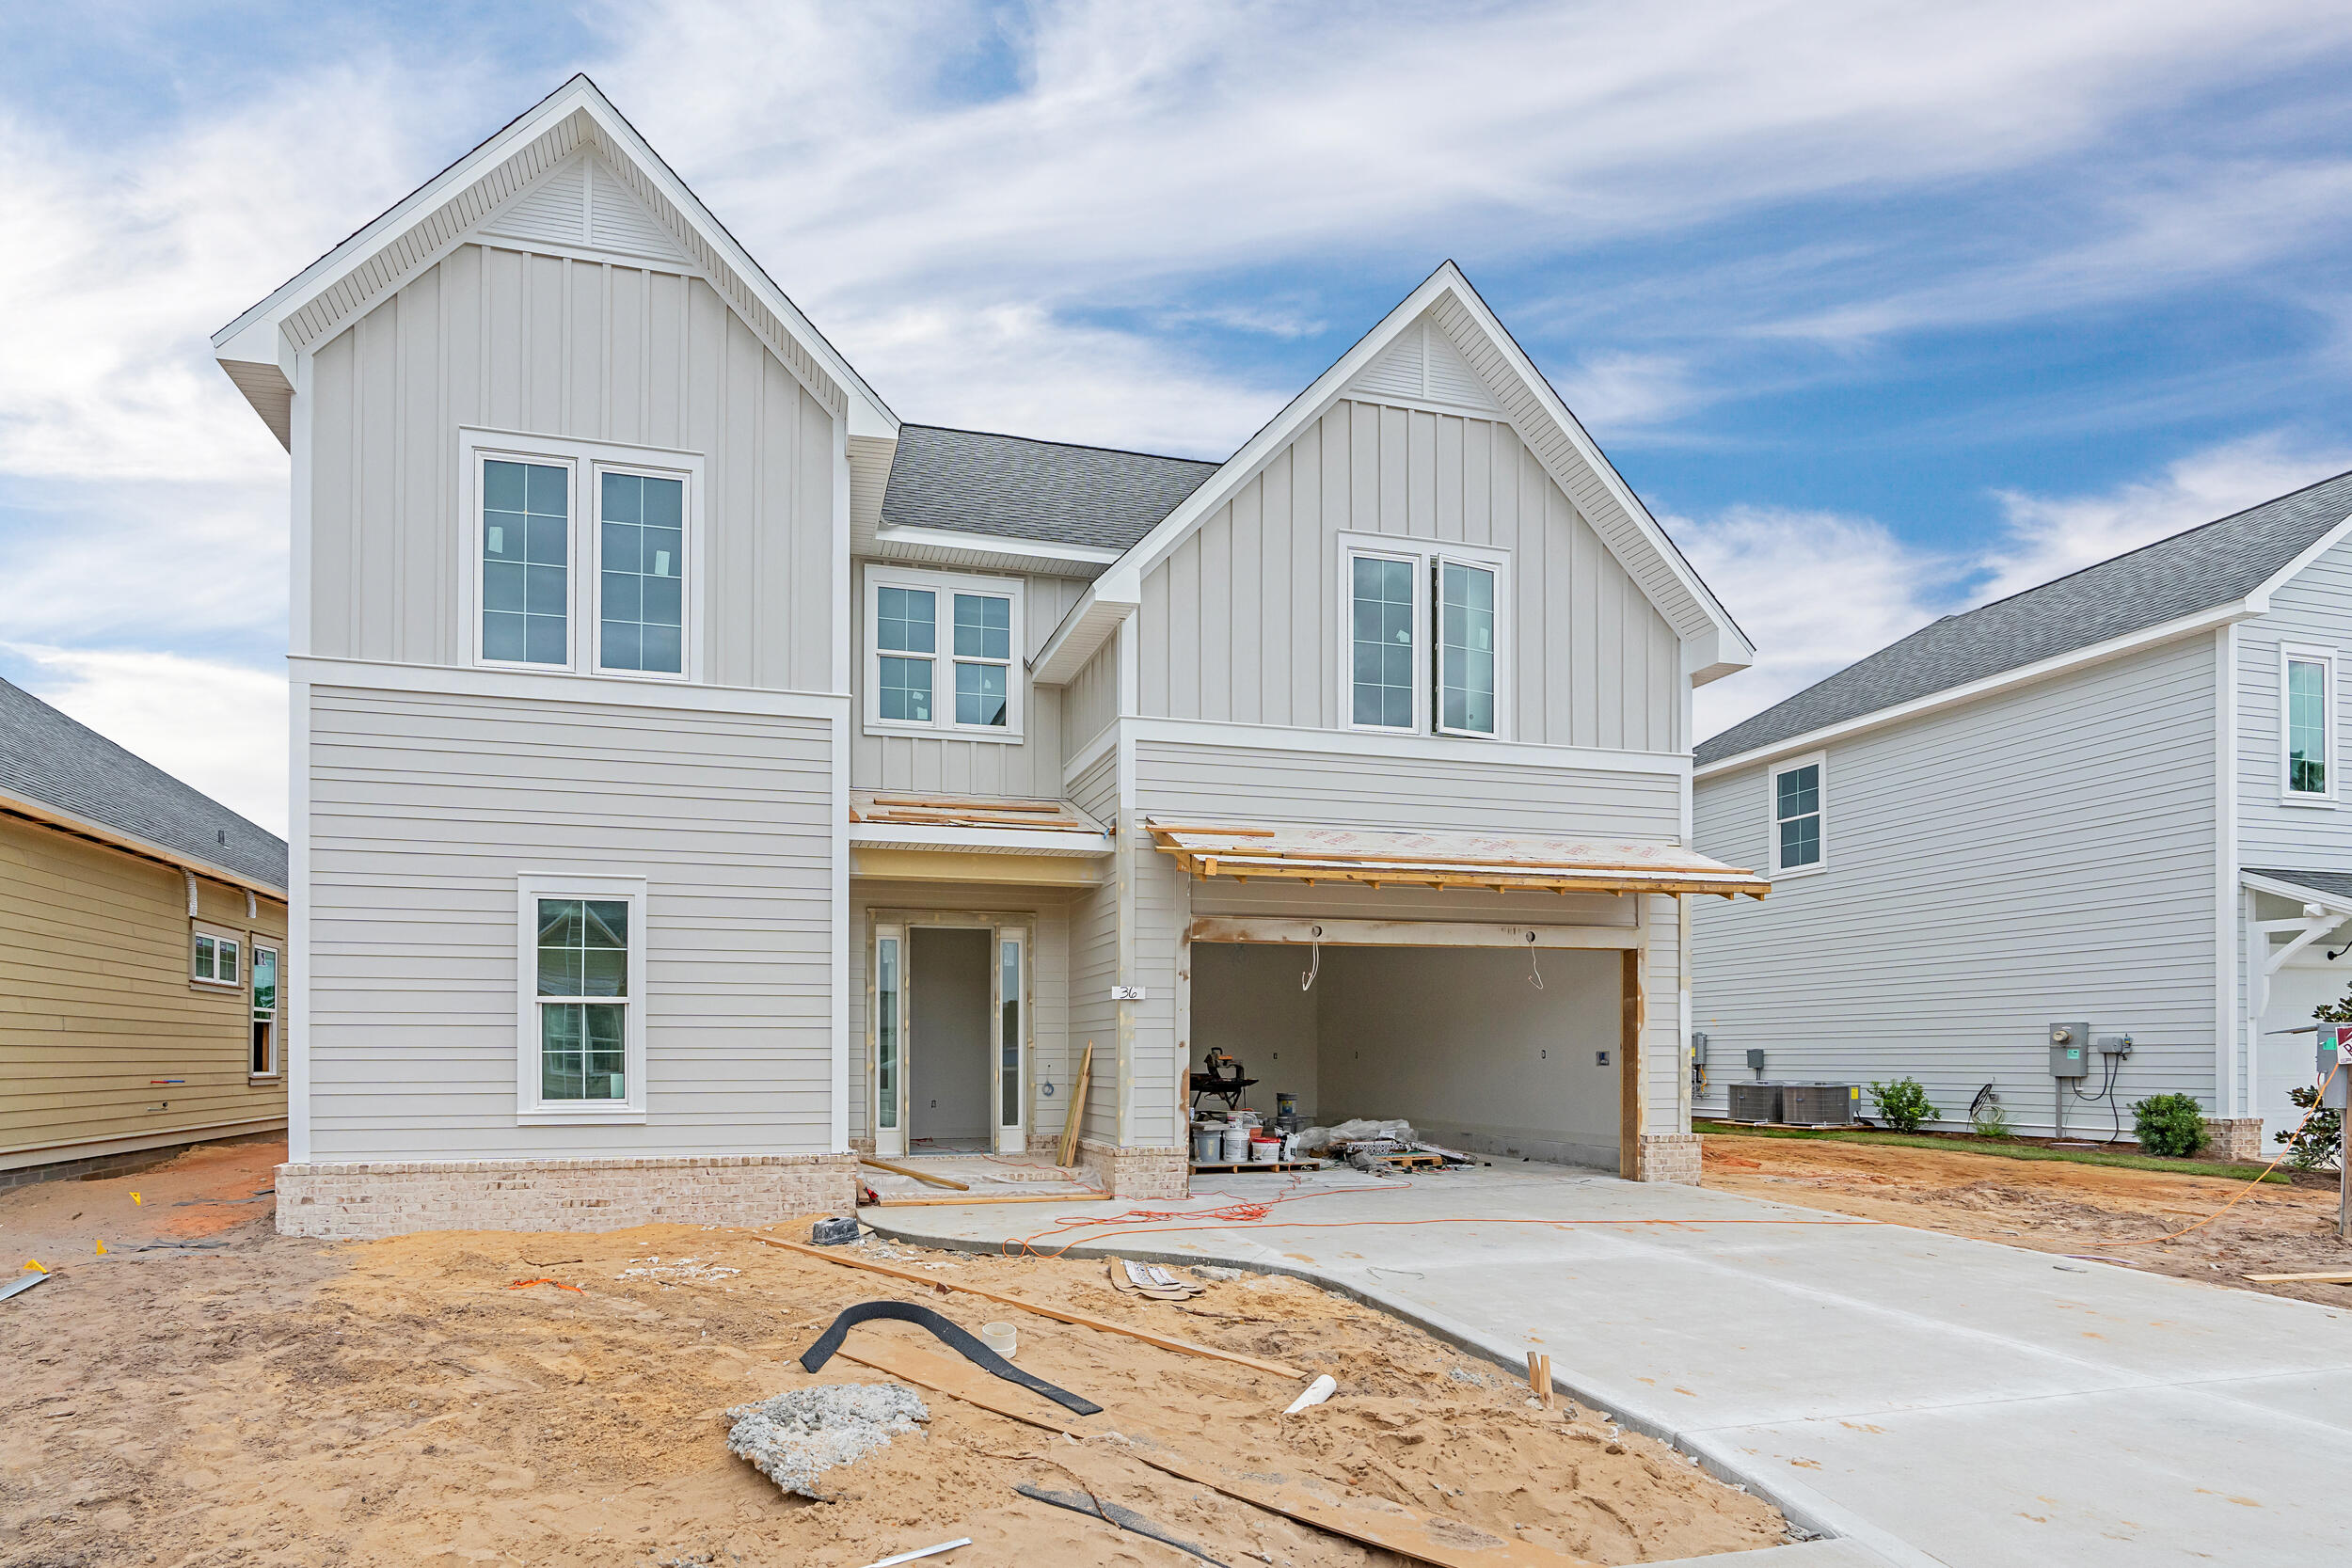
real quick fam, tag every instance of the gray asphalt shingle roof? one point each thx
(49, 760)
(2204, 567)
(1012, 487)
(2336, 884)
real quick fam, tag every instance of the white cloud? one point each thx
(1817, 591)
(220, 728)
(2049, 536)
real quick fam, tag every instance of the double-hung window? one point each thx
(2306, 704)
(582, 948)
(214, 959)
(941, 653)
(1797, 800)
(1425, 651)
(585, 557)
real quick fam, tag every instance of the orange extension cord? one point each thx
(2308, 1114)
(1151, 1222)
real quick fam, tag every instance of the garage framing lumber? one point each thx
(1408, 933)
(1500, 863)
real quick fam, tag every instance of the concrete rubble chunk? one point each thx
(798, 1435)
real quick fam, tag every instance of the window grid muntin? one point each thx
(2307, 742)
(641, 572)
(526, 561)
(582, 948)
(1467, 623)
(1797, 816)
(1382, 637)
(983, 650)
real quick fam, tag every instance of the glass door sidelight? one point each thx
(1010, 1041)
(890, 1041)
(264, 1062)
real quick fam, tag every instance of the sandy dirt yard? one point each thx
(235, 1397)
(2054, 1206)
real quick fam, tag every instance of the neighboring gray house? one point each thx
(2114, 800)
(701, 776)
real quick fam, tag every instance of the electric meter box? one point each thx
(1699, 1047)
(2333, 1039)
(2069, 1050)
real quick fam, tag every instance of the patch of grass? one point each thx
(2003, 1151)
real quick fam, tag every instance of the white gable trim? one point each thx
(259, 348)
(2255, 603)
(1540, 418)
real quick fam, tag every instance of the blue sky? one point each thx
(1917, 305)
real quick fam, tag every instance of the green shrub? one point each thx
(1903, 1104)
(2321, 1138)
(2171, 1125)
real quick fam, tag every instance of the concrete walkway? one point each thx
(1937, 1400)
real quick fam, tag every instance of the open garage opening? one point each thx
(1460, 1041)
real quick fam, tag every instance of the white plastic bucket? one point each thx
(1207, 1143)
(1000, 1338)
(1264, 1152)
(1236, 1143)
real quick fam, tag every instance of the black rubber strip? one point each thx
(1125, 1518)
(957, 1338)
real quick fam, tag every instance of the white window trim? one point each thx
(276, 1069)
(2304, 653)
(946, 585)
(583, 555)
(1425, 555)
(529, 1110)
(1771, 813)
(219, 934)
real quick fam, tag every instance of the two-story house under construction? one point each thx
(703, 776)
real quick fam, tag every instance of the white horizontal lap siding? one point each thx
(546, 346)
(1347, 789)
(1094, 962)
(425, 809)
(2313, 610)
(2044, 855)
(948, 764)
(1163, 909)
(1242, 622)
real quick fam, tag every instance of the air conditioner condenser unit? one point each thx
(1820, 1104)
(1756, 1102)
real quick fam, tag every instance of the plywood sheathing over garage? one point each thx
(1502, 861)
(880, 808)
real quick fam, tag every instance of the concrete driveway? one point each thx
(1937, 1399)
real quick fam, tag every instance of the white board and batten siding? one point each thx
(498, 339)
(2044, 855)
(1243, 623)
(950, 764)
(424, 809)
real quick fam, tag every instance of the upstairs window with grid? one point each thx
(641, 590)
(983, 659)
(1797, 817)
(526, 572)
(906, 626)
(2308, 751)
(1384, 628)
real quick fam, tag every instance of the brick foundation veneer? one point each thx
(394, 1197)
(2238, 1139)
(1667, 1157)
(1137, 1172)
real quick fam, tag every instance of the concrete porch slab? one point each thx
(1930, 1399)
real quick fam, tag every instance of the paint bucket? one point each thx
(1264, 1151)
(1285, 1108)
(1000, 1338)
(1208, 1141)
(1237, 1142)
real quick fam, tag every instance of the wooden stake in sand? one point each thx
(1447, 1542)
(2332, 1276)
(1077, 1108)
(909, 1170)
(1539, 1380)
(1059, 1314)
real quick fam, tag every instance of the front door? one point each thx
(947, 1034)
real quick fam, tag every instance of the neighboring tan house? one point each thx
(142, 942)
(701, 776)
(2116, 800)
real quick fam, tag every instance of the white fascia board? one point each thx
(2334, 903)
(255, 339)
(1085, 628)
(982, 841)
(2025, 674)
(992, 543)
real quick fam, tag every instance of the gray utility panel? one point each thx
(2069, 1050)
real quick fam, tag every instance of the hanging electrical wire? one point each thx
(1307, 981)
(1535, 975)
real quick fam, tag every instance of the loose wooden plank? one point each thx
(909, 1170)
(1059, 1314)
(2329, 1277)
(1077, 1108)
(1446, 1542)
(990, 1197)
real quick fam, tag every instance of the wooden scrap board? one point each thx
(1257, 1164)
